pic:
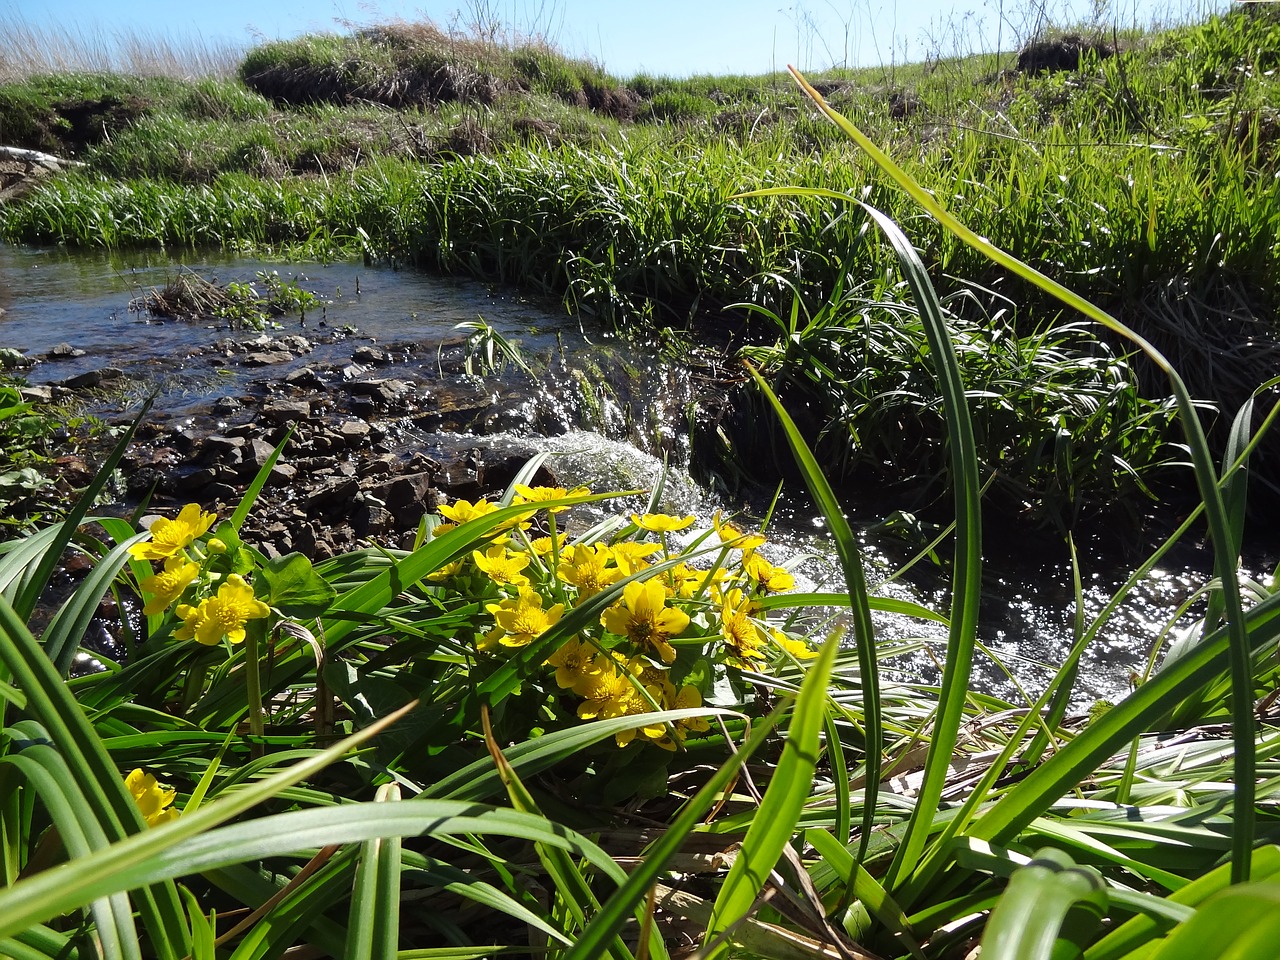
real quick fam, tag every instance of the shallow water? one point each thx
(83, 298)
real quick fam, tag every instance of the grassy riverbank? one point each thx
(530, 733)
(1145, 179)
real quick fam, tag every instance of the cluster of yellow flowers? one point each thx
(628, 663)
(215, 616)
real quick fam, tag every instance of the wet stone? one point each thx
(354, 432)
(372, 355)
(91, 378)
(63, 351)
(256, 453)
(266, 358)
(304, 377)
(284, 411)
(201, 478)
(222, 493)
(342, 491)
(283, 473)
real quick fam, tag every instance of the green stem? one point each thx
(253, 680)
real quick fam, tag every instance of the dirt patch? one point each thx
(1060, 53)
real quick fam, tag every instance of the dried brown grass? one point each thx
(38, 49)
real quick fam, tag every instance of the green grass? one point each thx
(1145, 180)
(410, 740)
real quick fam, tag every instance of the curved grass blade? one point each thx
(1028, 918)
(860, 609)
(373, 930)
(107, 802)
(775, 821)
(119, 866)
(1206, 476)
(165, 852)
(571, 886)
(966, 574)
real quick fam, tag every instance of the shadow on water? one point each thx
(609, 411)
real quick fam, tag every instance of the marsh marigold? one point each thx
(223, 615)
(152, 799)
(168, 537)
(167, 585)
(644, 618)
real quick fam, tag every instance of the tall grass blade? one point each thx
(628, 897)
(1243, 818)
(774, 822)
(859, 606)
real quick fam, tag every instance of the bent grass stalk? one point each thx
(1206, 474)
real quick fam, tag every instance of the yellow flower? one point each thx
(661, 522)
(684, 581)
(576, 664)
(166, 586)
(769, 578)
(687, 697)
(644, 618)
(731, 536)
(520, 619)
(170, 536)
(612, 692)
(542, 545)
(152, 799)
(739, 630)
(440, 574)
(223, 615)
(460, 511)
(586, 566)
(542, 494)
(631, 556)
(797, 648)
(502, 566)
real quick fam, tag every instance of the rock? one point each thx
(372, 355)
(282, 474)
(82, 380)
(353, 432)
(40, 394)
(255, 454)
(63, 351)
(281, 412)
(342, 491)
(266, 358)
(305, 377)
(405, 492)
(200, 478)
(91, 378)
(370, 518)
(223, 493)
(221, 449)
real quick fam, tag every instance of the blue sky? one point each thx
(673, 37)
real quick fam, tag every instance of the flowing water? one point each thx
(607, 410)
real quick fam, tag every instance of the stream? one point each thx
(608, 411)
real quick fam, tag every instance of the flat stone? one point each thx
(266, 358)
(353, 432)
(256, 453)
(304, 377)
(39, 394)
(284, 411)
(63, 351)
